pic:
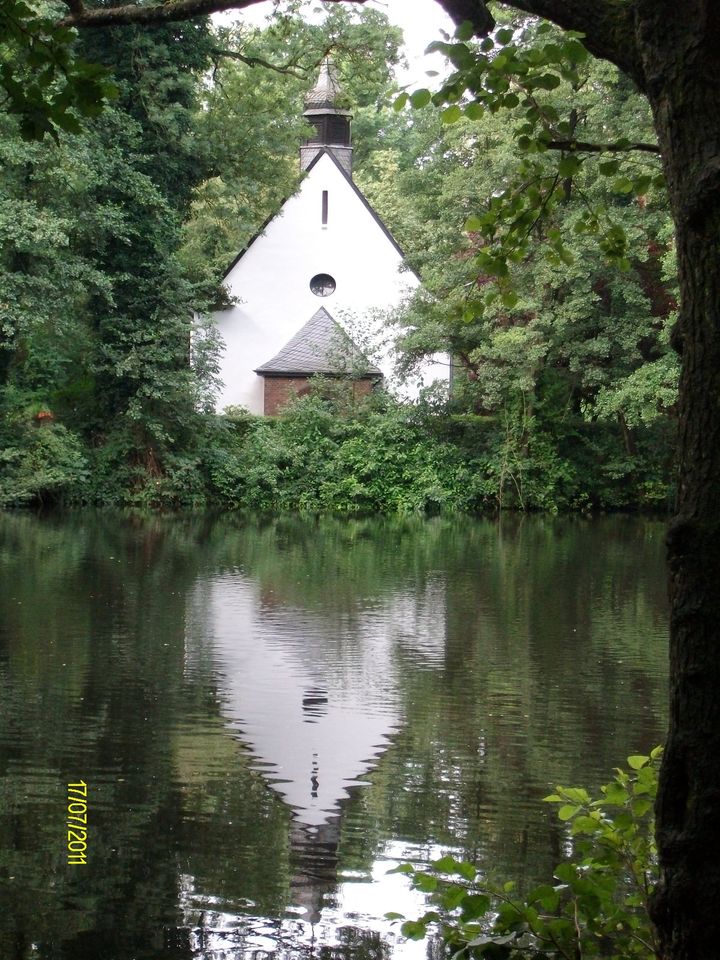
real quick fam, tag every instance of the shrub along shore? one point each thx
(377, 458)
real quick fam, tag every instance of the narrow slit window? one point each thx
(324, 208)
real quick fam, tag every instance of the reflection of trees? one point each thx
(551, 670)
(92, 672)
(548, 628)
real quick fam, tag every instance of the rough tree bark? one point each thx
(681, 59)
(672, 52)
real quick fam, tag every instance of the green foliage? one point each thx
(502, 218)
(95, 310)
(536, 73)
(388, 458)
(311, 459)
(45, 83)
(40, 461)
(597, 902)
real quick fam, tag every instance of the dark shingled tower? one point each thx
(332, 124)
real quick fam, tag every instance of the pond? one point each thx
(269, 715)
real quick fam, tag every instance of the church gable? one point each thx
(330, 153)
(329, 204)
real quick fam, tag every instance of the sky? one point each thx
(421, 22)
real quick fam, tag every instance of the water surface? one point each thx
(270, 715)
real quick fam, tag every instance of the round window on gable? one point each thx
(322, 285)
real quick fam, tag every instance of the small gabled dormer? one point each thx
(331, 123)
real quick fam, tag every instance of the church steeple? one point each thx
(332, 124)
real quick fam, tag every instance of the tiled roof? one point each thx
(321, 346)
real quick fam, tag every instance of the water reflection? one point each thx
(314, 699)
(270, 715)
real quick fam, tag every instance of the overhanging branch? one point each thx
(286, 68)
(83, 18)
(608, 26)
(579, 146)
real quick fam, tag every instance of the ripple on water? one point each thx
(271, 716)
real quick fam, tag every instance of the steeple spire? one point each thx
(332, 124)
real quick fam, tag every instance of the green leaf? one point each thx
(420, 98)
(569, 165)
(545, 895)
(474, 111)
(425, 882)
(400, 101)
(451, 114)
(500, 940)
(504, 35)
(641, 807)
(473, 224)
(636, 762)
(474, 906)
(566, 872)
(584, 824)
(414, 930)
(465, 31)
(547, 81)
(452, 897)
(574, 51)
(615, 794)
(623, 185)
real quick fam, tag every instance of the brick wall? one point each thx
(279, 390)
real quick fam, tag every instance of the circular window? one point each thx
(322, 285)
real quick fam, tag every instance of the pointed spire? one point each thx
(326, 91)
(331, 123)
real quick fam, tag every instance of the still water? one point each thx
(269, 716)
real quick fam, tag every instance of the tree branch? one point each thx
(156, 14)
(608, 26)
(579, 146)
(288, 68)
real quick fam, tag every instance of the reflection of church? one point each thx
(313, 713)
(315, 697)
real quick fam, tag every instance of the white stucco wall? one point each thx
(271, 281)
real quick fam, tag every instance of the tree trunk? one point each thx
(682, 69)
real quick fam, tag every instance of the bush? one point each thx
(39, 463)
(597, 902)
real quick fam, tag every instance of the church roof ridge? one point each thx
(324, 151)
(319, 346)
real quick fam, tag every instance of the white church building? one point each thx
(325, 258)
